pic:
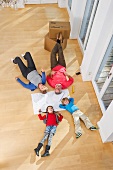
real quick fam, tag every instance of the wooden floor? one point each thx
(20, 130)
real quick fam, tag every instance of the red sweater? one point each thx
(59, 77)
(51, 119)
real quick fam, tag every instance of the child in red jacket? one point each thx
(51, 119)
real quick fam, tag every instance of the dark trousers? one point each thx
(30, 64)
(61, 61)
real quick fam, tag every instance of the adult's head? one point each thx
(58, 89)
(50, 109)
(42, 88)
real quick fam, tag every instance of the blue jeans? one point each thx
(50, 129)
(49, 132)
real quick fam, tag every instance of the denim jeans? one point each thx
(49, 132)
(50, 129)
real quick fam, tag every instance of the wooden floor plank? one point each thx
(20, 130)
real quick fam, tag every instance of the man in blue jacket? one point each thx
(30, 73)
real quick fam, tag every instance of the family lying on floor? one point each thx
(58, 79)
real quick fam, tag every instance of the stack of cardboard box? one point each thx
(54, 28)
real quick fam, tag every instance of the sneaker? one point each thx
(78, 73)
(93, 128)
(78, 135)
(12, 60)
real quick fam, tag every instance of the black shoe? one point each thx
(46, 153)
(93, 128)
(38, 149)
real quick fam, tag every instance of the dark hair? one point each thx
(47, 108)
(58, 92)
(65, 98)
(44, 91)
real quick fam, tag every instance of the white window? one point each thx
(87, 22)
(69, 4)
(104, 77)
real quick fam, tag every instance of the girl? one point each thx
(51, 119)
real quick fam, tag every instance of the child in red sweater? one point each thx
(51, 119)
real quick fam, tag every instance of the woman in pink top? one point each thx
(58, 76)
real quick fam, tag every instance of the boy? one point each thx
(68, 104)
(51, 119)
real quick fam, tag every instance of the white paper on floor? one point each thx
(41, 101)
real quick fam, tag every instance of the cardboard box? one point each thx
(55, 27)
(50, 43)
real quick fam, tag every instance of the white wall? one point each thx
(62, 3)
(106, 125)
(40, 1)
(99, 35)
(20, 4)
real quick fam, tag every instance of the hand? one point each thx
(58, 113)
(16, 78)
(67, 78)
(39, 111)
(52, 72)
(42, 70)
(65, 73)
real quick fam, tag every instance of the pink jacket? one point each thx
(59, 77)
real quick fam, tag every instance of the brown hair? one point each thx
(44, 91)
(58, 92)
(47, 109)
(65, 98)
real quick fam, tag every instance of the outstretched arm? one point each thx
(43, 77)
(71, 100)
(60, 117)
(28, 86)
(67, 76)
(51, 73)
(40, 115)
(62, 106)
